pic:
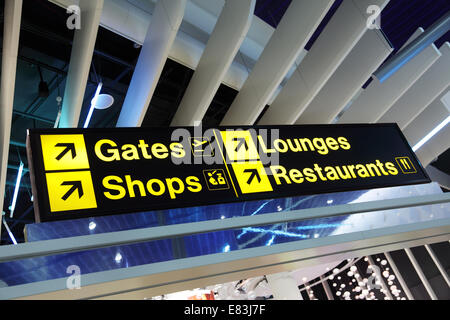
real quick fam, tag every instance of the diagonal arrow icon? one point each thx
(253, 174)
(241, 142)
(76, 185)
(67, 147)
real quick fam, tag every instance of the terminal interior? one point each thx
(165, 63)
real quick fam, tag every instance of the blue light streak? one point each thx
(275, 232)
(16, 189)
(93, 103)
(431, 134)
(270, 241)
(321, 226)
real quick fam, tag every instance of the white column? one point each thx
(161, 33)
(11, 32)
(399, 276)
(420, 273)
(367, 55)
(379, 97)
(343, 31)
(283, 286)
(291, 35)
(80, 62)
(427, 88)
(223, 44)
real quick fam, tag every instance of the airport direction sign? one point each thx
(79, 173)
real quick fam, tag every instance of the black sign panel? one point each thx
(80, 173)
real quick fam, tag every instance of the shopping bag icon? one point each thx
(215, 179)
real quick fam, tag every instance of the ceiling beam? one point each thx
(80, 62)
(288, 40)
(132, 22)
(340, 35)
(427, 120)
(161, 33)
(379, 97)
(432, 34)
(432, 117)
(434, 147)
(11, 32)
(220, 51)
(429, 86)
(367, 55)
(440, 177)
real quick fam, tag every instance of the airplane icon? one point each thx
(199, 146)
(198, 143)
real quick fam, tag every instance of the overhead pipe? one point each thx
(22, 185)
(433, 33)
(17, 144)
(15, 167)
(64, 73)
(32, 116)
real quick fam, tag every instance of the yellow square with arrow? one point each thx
(64, 152)
(70, 191)
(251, 176)
(239, 145)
